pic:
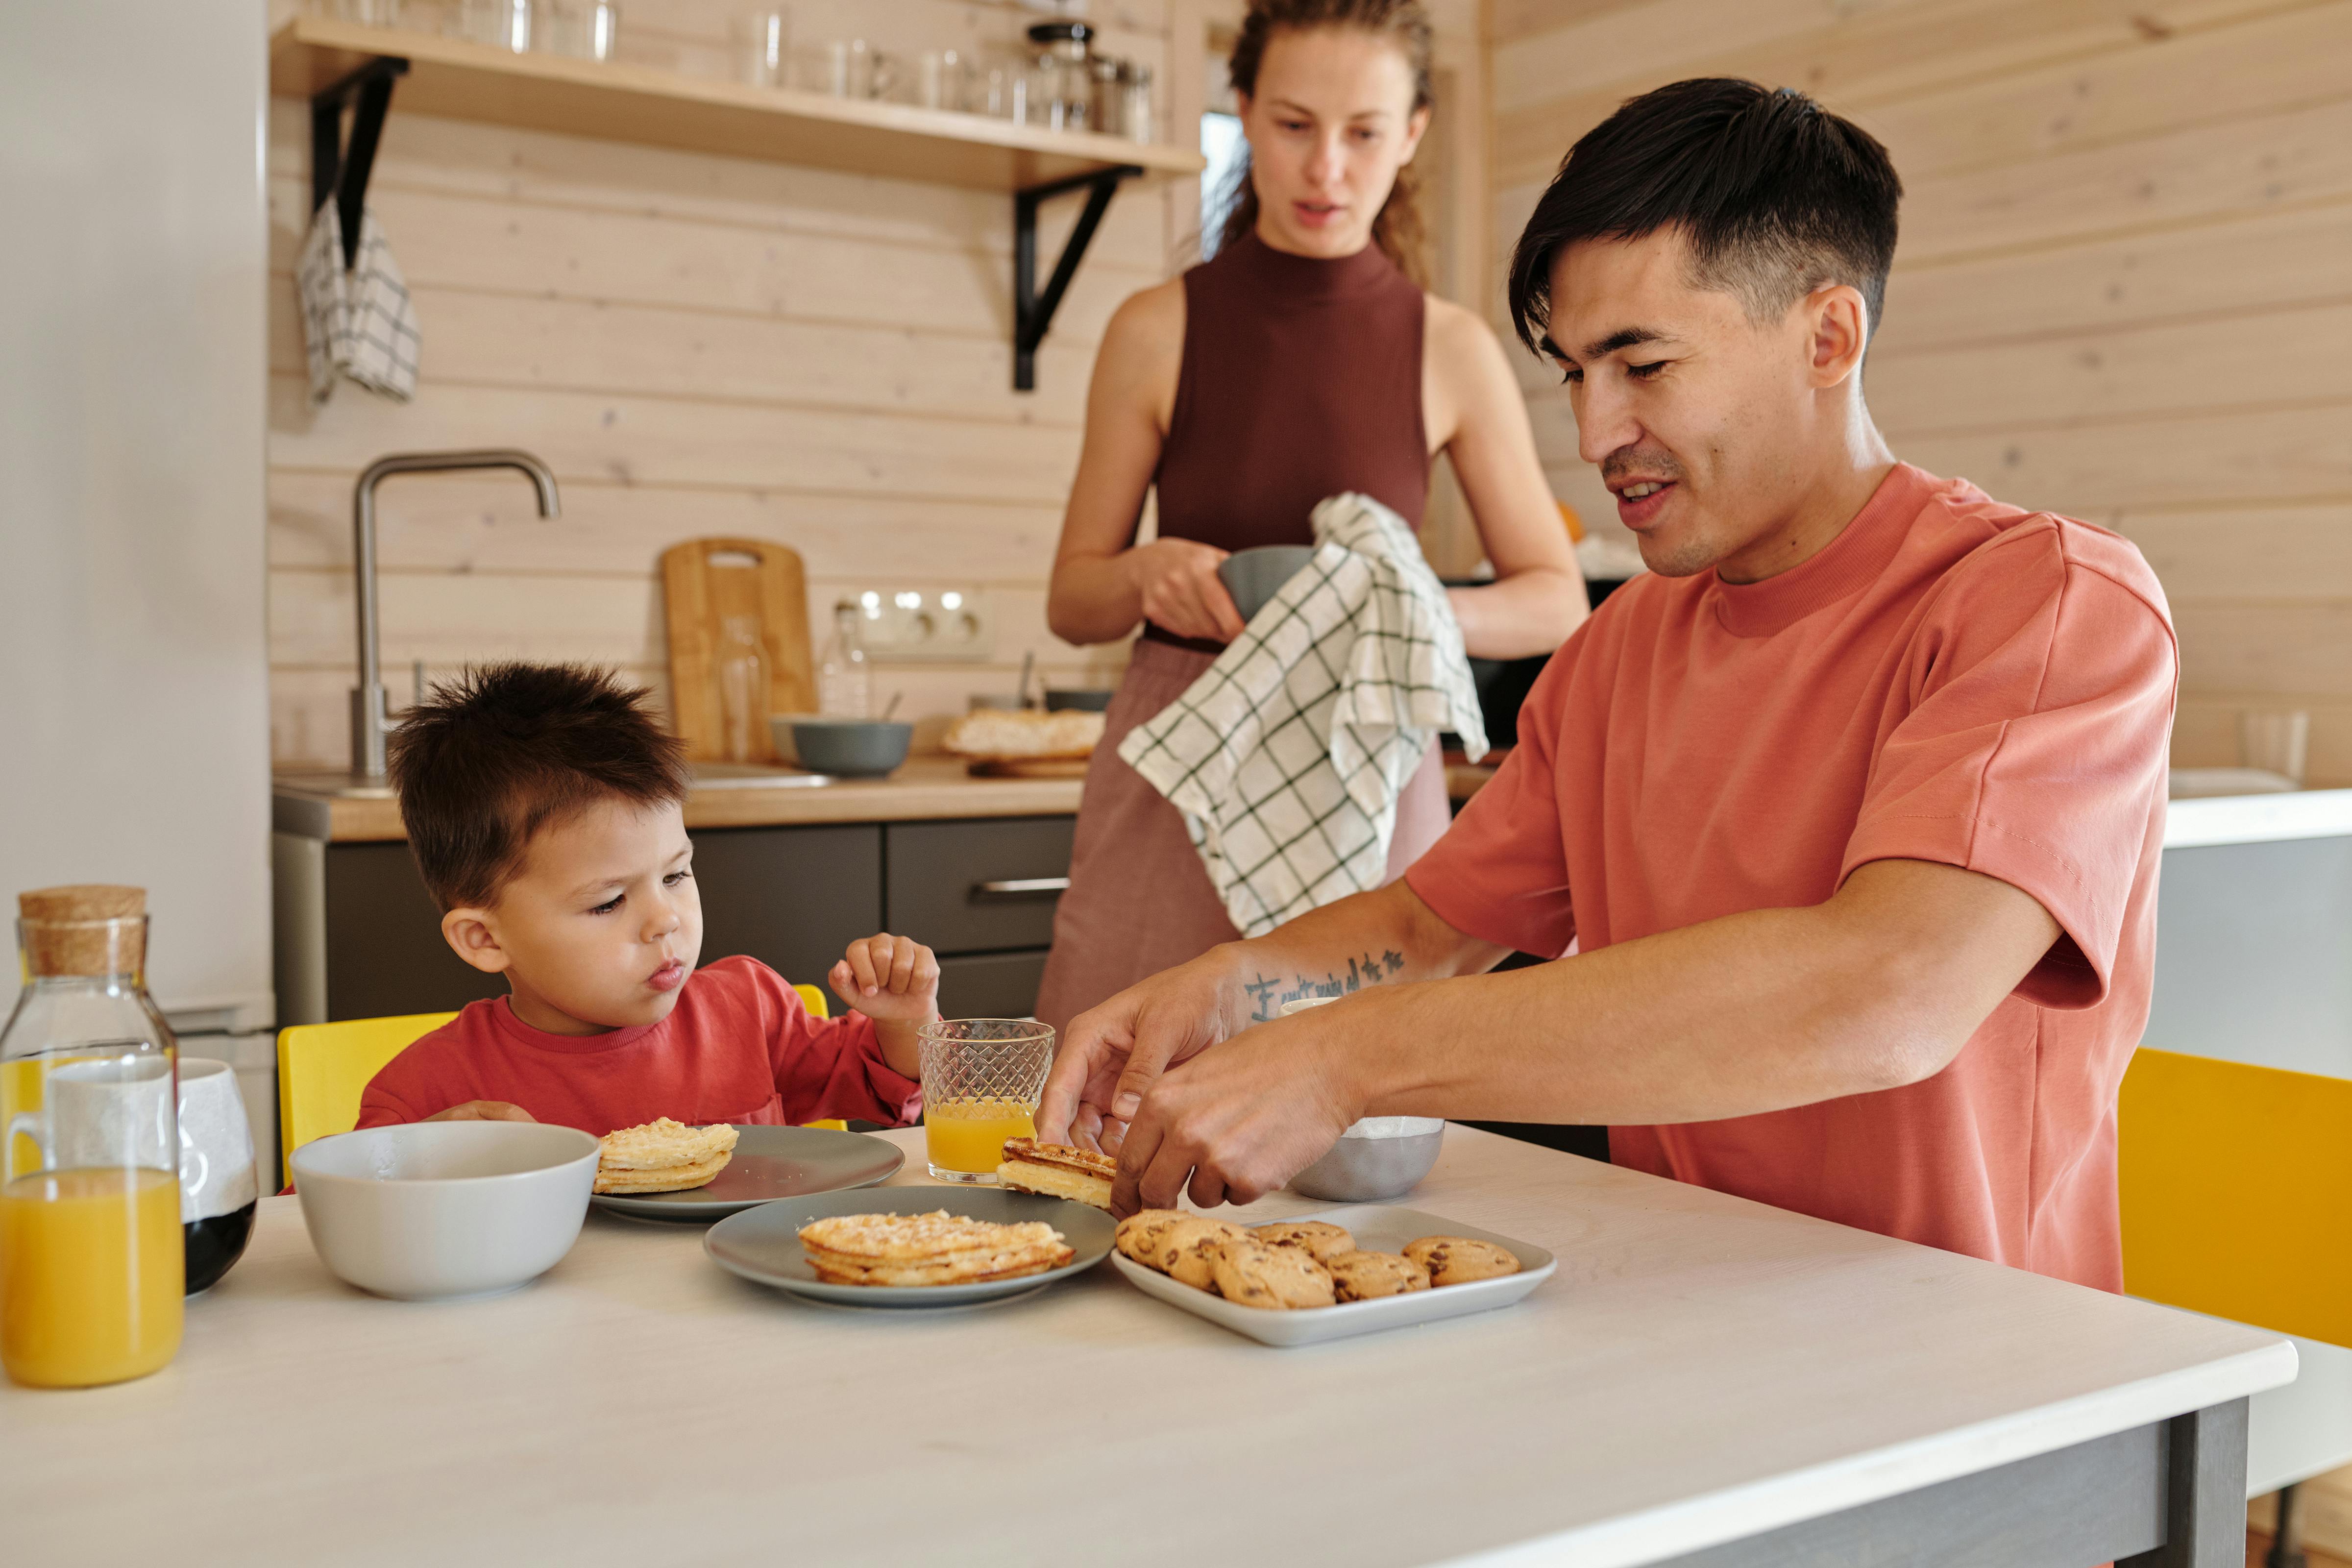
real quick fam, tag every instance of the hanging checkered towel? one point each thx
(359, 322)
(1287, 755)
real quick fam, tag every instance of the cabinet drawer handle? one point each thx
(1021, 887)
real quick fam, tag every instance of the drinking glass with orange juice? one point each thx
(92, 1255)
(982, 1080)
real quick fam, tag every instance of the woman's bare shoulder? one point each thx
(1458, 338)
(1150, 319)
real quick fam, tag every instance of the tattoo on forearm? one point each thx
(1267, 993)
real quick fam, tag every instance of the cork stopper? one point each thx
(90, 928)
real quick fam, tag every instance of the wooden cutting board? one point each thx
(704, 582)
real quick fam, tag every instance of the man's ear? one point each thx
(468, 932)
(1840, 332)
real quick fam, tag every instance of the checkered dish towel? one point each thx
(360, 322)
(1287, 755)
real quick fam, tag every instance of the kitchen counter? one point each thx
(928, 788)
(1703, 1375)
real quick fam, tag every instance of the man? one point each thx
(1853, 807)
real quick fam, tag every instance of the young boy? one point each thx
(546, 810)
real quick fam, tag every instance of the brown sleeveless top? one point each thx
(1301, 378)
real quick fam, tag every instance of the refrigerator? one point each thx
(135, 730)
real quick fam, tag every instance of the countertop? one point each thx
(928, 788)
(1700, 1368)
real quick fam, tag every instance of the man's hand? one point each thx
(483, 1110)
(893, 979)
(1112, 1055)
(1242, 1118)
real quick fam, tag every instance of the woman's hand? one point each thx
(1181, 589)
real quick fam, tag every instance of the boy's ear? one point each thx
(468, 932)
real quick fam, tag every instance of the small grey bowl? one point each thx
(1079, 699)
(779, 730)
(1361, 1170)
(851, 748)
(1254, 576)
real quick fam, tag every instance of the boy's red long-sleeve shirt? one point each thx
(739, 1046)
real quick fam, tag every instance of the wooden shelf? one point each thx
(620, 102)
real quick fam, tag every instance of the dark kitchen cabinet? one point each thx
(359, 937)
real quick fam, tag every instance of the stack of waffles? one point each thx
(663, 1156)
(935, 1248)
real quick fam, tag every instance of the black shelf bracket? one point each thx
(344, 174)
(1033, 312)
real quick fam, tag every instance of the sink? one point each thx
(755, 775)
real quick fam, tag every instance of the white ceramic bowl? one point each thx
(435, 1210)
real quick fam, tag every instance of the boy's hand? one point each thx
(889, 978)
(483, 1110)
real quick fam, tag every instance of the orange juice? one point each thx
(968, 1135)
(91, 1269)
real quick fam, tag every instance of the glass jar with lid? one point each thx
(1062, 93)
(93, 1257)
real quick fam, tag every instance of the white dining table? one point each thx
(1705, 1380)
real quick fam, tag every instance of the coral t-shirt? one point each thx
(1950, 680)
(739, 1046)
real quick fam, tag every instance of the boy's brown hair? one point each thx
(506, 750)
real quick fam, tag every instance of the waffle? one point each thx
(1057, 1170)
(663, 1156)
(935, 1248)
(1023, 735)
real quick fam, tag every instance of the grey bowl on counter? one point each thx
(1254, 576)
(851, 748)
(1379, 1158)
(440, 1210)
(1083, 700)
(779, 732)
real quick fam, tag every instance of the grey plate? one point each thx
(765, 1244)
(770, 1163)
(1377, 1227)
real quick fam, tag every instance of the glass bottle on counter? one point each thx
(743, 689)
(843, 686)
(93, 1257)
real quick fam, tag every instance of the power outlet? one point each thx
(925, 625)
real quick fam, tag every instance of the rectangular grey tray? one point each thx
(1377, 1227)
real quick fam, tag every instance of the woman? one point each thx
(1303, 361)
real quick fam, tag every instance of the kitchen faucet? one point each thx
(370, 705)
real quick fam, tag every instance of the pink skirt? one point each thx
(1139, 899)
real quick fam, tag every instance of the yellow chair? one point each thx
(323, 1069)
(2236, 1184)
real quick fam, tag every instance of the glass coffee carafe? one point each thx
(93, 1258)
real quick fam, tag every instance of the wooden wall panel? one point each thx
(2124, 290)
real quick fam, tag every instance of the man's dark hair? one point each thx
(1775, 196)
(505, 749)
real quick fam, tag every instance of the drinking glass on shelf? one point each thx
(2277, 741)
(941, 80)
(858, 69)
(584, 29)
(367, 13)
(981, 1080)
(501, 24)
(1002, 92)
(764, 47)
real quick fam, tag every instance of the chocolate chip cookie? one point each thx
(1249, 1273)
(1320, 1241)
(1361, 1276)
(1457, 1259)
(1185, 1251)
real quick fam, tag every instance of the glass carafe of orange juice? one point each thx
(93, 1257)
